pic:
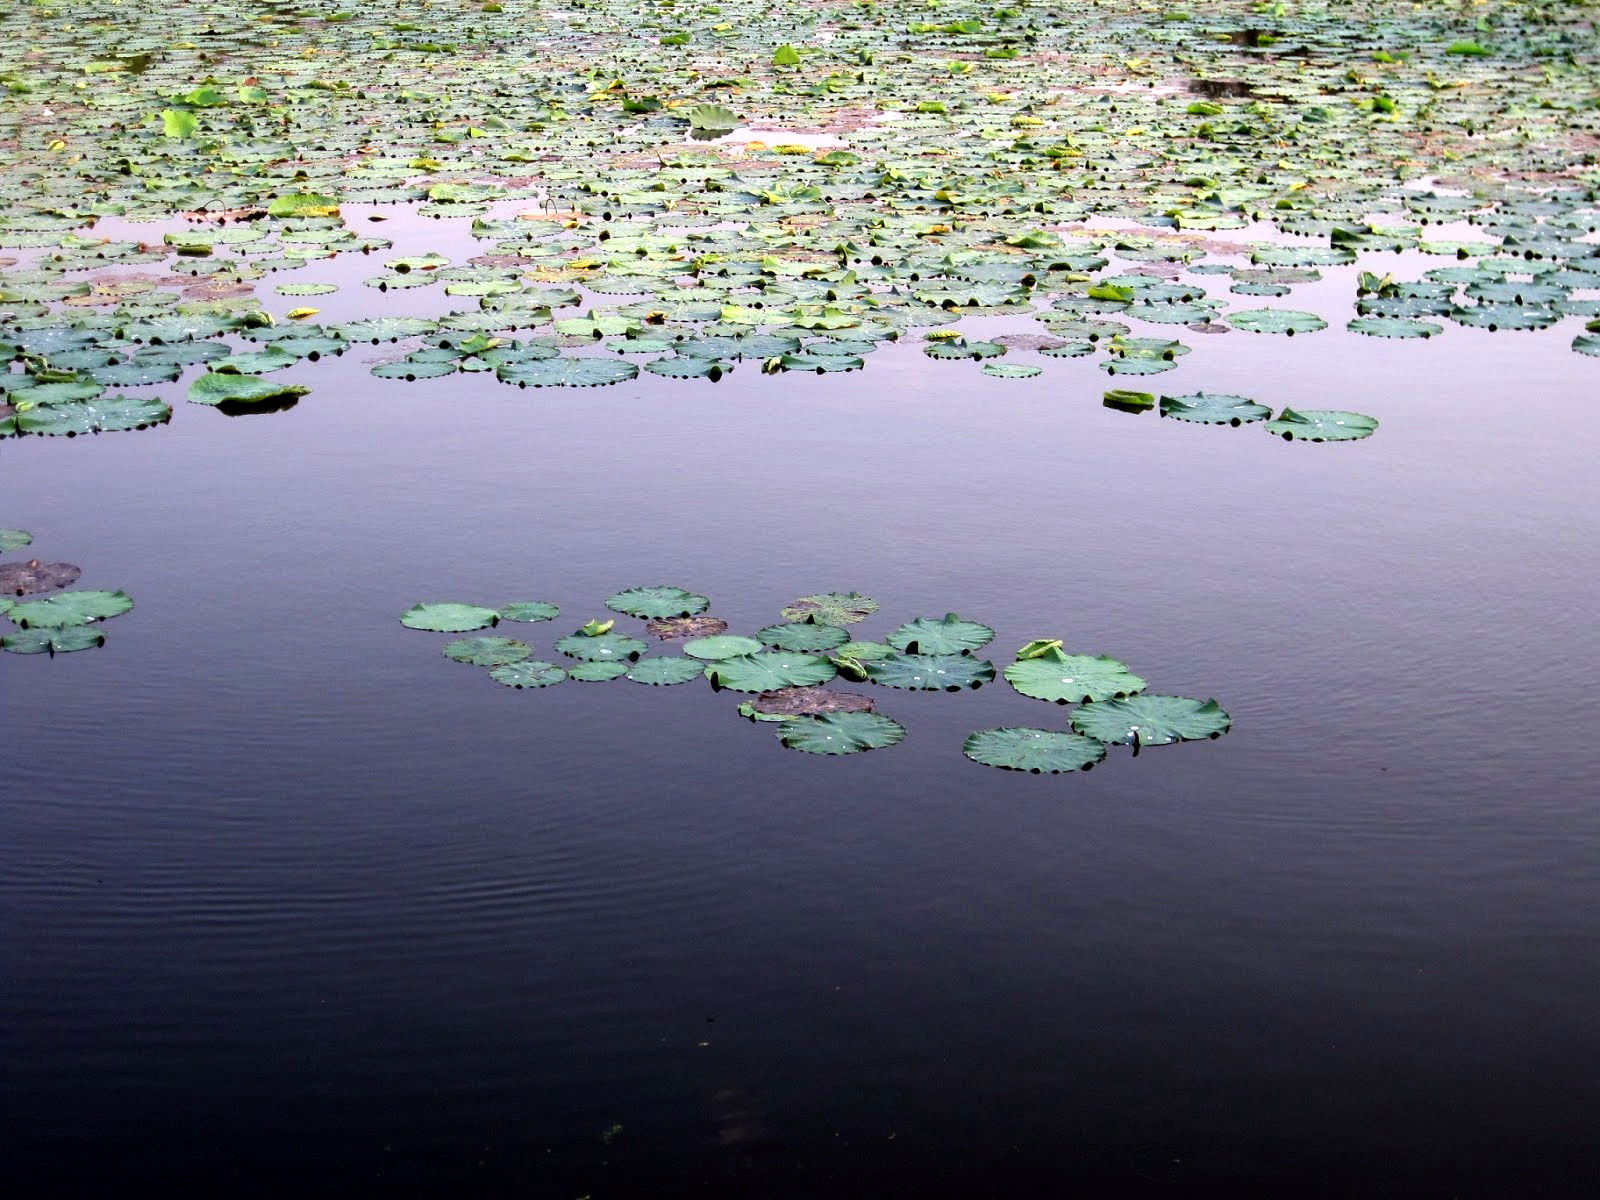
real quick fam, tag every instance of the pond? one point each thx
(290, 896)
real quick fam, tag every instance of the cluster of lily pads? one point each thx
(783, 669)
(56, 624)
(695, 187)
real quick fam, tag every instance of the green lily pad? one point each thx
(528, 673)
(1151, 720)
(664, 671)
(603, 647)
(529, 611)
(805, 636)
(769, 670)
(1070, 678)
(448, 617)
(721, 646)
(70, 608)
(568, 372)
(1041, 751)
(1322, 425)
(52, 641)
(1214, 408)
(1276, 320)
(597, 671)
(930, 672)
(223, 388)
(840, 733)
(949, 635)
(487, 651)
(14, 539)
(657, 602)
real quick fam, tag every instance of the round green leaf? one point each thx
(930, 672)
(603, 647)
(657, 602)
(1151, 720)
(71, 608)
(1071, 678)
(666, 670)
(1322, 425)
(769, 670)
(1041, 751)
(720, 646)
(529, 673)
(840, 733)
(448, 617)
(488, 651)
(949, 635)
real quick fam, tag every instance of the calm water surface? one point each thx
(288, 897)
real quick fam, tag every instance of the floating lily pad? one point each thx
(568, 372)
(769, 670)
(841, 733)
(240, 389)
(1276, 320)
(721, 646)
(786, 703)
(33, 577)
(528, 673)
(1071, 678)
(70, 608)
(597, 671)
(488, 651)
(1041, 751)
(666, 670)
(14, 539)
(832, 608)
(1214, 408)
(657, 602)
(1151, 720)
(1322, 425)
(52, 641)
(603, 647)
(670, 629)
(930, 672)
(449, 617)
(948, 635)
(803, 635)
(529, 611)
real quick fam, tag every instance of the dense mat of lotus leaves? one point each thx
(688, 189)
(783, 669)
(43, 618)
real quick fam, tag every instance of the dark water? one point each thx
(294, 904)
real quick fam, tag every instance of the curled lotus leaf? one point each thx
(806, 636)
(1276, 320)
(786, 703)
(1041, 751)
(1151, 720)
(832, 608)
(769, 670)
(657, 602)
(33, 577)
(487, 651)
(841, 733)
(228, 388)
(529, 611)
(666, 670)
(52, 641)
(70, 608)
(601, 647)
(721, 646)
(528, 673)
(1065, 678)
(1322, 425)
(597, 671)
(930, 672)
(448, 617)
(1214, 408)
(673, 629)
(950, 634)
